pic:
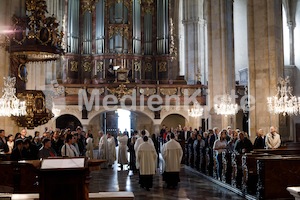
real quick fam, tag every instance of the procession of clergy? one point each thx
(143, 156)
(143, 150)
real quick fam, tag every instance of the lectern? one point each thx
(63, 178)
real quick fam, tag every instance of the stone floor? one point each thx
(192, 186)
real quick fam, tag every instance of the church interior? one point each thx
(184, 67)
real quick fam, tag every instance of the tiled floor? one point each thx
(192, 186)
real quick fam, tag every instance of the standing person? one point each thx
(132, 157)
(161, 134)
(259, 142)
(220, 145)
(10, 143)
(243, 144)
(57, 142)
(68, 149)
(46, 151)
(272, 139)
(172, 155)
(139, 141)
(23, 133)
(89, 146)
(16, 153)
(122, 153)
(111, 149)
(146, 157)
(3, 142)
(199, 145)
(190, 150)
(103, 148)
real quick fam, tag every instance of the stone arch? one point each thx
(174, 119)
(68, 121)
(137, 109)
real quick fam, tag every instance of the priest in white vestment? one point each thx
(172, 155)
(111, 149)
(138, 142)
(146, 157)
(89, 146)
(103, 149)
(122, 153)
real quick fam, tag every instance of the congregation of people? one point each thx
(142, 147)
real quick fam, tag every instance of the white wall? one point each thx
(240, 36)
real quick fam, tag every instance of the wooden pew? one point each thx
(22, 176)
(280, 151)
(227, 168)
(236, 163)
(275, 174)
(249, 171)
(92, 196)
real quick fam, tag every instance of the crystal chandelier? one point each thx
(284, 102)
(196, 110)
(10, 105)
(226, 107)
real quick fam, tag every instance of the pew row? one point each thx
(240, 172)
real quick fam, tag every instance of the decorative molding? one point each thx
(190, 91)
(137, 66)
(148, 67)
(71, 91)
(87, 67)
(162, 66)
(99, 66)
(148, 91)
(168, 91)
(74, 66)
(120, 91)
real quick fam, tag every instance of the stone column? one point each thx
(194, 41)
(221, 71)
(265, 60)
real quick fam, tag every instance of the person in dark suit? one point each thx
(46, 151)
(16, 153)
(259, 142)
(3, 141)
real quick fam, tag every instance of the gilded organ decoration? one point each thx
(162, 66)
(122, 30)
(74, 66)
(120, 91)
(168, 91)
(149, 2)
(35, 26)
(148, 67)
(137, 66)
(148, 91)
(148, 10)
(87, 67)
(88, 6)
(173, 49)
(99, 66)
